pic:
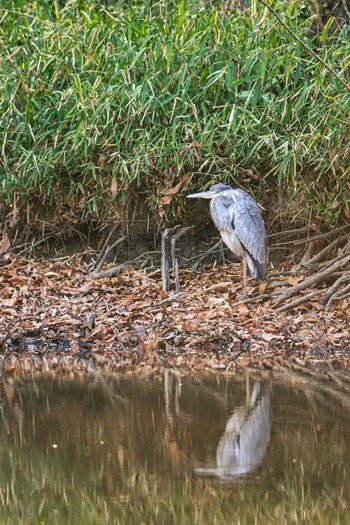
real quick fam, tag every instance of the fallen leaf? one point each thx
(4, 243)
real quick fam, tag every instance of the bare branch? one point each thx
(103, 257)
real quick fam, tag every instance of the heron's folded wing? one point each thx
(250, 227)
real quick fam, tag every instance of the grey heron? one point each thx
(243, 445)
(239, 221)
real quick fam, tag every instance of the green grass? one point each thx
(95, 104)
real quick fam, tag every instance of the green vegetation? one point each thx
(96, 103)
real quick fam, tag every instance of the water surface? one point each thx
(196, 450)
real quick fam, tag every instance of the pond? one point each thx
(172, 449)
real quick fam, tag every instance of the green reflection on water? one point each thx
(130, 450)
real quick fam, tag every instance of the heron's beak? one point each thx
(202, 195)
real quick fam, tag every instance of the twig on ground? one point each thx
(307, 255)
(287, 273)
(26, 246)
(255, 298)
(171, 299)
(204, 256)
(103, 256)
(322, 254)
(275, 284)
(298, 301)
(169, 238)
(286, 233)
(96, 266)
(115, 270)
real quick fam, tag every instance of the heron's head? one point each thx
(215, 191)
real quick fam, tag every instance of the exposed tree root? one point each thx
(298, 301)
(322, 275)
(316, 271)
(311, 281)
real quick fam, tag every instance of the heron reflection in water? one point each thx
(238, 219)
(243, 445)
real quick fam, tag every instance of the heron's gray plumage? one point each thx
(243, 445)
(238, 218)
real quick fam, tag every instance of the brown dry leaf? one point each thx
(262, 287)
(174, 190)
(4, 243)
(69, 200)
(70, 218)
(221, 287)
(317, 305)
(114, 186)
(216, 301)
(294, 279)
(180, 186)
(166, 199)
(242, 309)
(169, 193)
(12, 301)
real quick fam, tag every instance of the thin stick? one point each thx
(107, 252)
(202, 257)
(96, 267)
(289, 232)
(26, 245)
(171, 299)
(255, 298)
(115, 270)
(326, 250)
(310, 239)
(174, 238)
(165, 257)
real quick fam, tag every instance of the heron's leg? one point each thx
(244, 261)
(247, 389)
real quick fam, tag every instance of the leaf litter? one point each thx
(54, 315)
